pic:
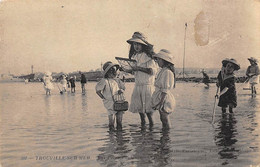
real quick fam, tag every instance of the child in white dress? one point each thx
(47, 81)
(252, 73)
(144, 74)
(63, 83)
(162, 98)
(107, 87)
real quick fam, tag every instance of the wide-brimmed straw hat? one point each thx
(107, 66)
(253, 59)
(165, 55)
(139, 38)
(233, 61)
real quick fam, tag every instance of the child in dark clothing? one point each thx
(72, 84)
(226, 82)
(205, 78)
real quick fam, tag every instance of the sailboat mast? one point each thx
(184, 51)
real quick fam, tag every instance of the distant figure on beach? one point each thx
(47, 81)
(83, 81)
(68, 82)
(107, 88)
(26, 81)
(144, 73)
(252, 73)
(205, 78)
(72, 81)
(63, 83)
(226, 82)
(162, 98)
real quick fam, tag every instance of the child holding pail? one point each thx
(107, 88)
(226, 82)
(252, 73)
(162, 98)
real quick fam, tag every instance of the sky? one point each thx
(66, 36)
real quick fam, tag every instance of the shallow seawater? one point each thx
(72, 130)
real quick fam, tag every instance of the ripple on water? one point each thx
(76, 125)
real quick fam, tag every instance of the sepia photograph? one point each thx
(134, 83)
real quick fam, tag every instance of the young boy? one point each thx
(226, 82)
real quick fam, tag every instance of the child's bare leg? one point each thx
(119, 117)
(111, 119)
(252, 89)
(164, 116)
(142, 116)
(231, 106)
(150, 118)
(223, 110)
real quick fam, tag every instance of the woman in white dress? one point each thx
(162, 98)
(252, 73)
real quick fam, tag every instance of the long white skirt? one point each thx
(141, 99)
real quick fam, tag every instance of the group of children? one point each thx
(149, 94)
(64, 81)
(153, 92)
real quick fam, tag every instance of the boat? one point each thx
(10, 78)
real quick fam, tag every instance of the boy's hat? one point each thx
(108, 65)
(233, 61)
(165, 55)
(253, 59)
(139, 38)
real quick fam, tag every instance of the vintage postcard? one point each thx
(129, 83)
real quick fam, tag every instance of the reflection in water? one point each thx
(163, 156)
(226, 137)
(47, 101)
(114, 151)
(253, 102)
(149, 148)
(144, 145)
(144, 148)
(84, 102)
